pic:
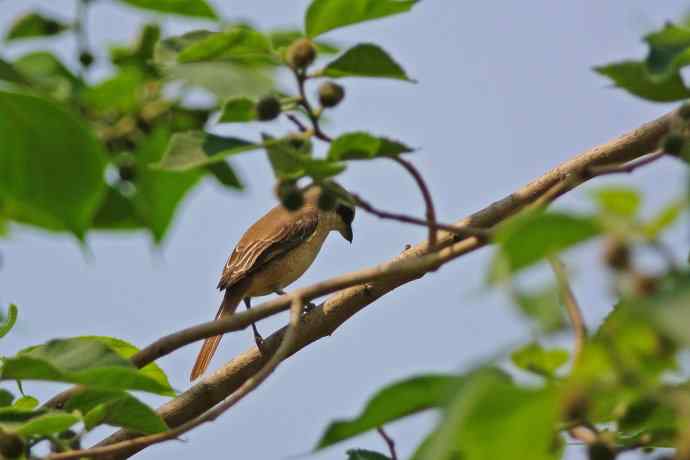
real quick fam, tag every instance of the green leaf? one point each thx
(159, 193)
(364, 60)
(291, 163)
(224, 79)
(48, 424)
(116, 408)
(6, 398)
(9, 73)
(634, 77)
(52, 163)
(116, 213)
(32, 25)
(194, 149)
(80, 360)
(127, 350)
(9, 322)
(664, 219)
(120, 93)
(325, 15)
(140, 54)
(46, 72)
(238, 110)
(194, 8)
(361, 145)
(26, 403)
(543, 306)
(239, 42)
(489, 405)
(531, 236)
(534, 358)
(669, 49)
(225, 175)
(618, 201)
(393, 403)
(363, 454)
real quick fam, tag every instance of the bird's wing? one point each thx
(272, 236)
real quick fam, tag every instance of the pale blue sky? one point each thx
(505, 92)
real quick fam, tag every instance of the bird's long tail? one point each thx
(231, 300)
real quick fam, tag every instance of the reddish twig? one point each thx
(304, 102)
(625, 167)
(428, 201)
(389, 442)
(301, 126)
(462, 231)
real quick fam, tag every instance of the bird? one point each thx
(273, 253)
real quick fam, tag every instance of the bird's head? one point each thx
(346, 215)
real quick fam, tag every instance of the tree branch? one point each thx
(338, 308)
(283, 351)
(571, 305)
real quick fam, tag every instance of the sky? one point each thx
(505, 92)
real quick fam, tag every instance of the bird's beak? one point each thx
(347, 233)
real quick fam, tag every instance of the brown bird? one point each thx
(273, 253)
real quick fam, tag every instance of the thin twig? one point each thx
(428, 201)
(247, 387)
(625, 167)
(389, 442)
(571, 305)
(459, 230)
(300, 126)
(304, 102)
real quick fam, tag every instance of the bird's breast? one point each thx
(284, 270)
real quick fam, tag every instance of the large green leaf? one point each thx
(6, 398)
(194, 149)
(325, 15)
(9, 321)
(194, 8)
(46, 72)
(51, 163)
(617, 200)
(117, 213)
(116, 408)
(491, 418)
(224, 79)
(80, 360)
(393, 402)
(291, 163)
(664, 218)
(239, 42)
(238, 110)
(534, 358)
(531, 236)
(360, 145)
(634, 77)
(159, 193)
(364, 60)
(543, 306)
(122, 92)
(127, 350)
(34, 24)
(48, 424)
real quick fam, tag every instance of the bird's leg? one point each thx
(257, 337)
(307, 306)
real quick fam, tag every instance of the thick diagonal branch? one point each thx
(345, 303)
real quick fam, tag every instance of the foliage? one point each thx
(122, 152)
